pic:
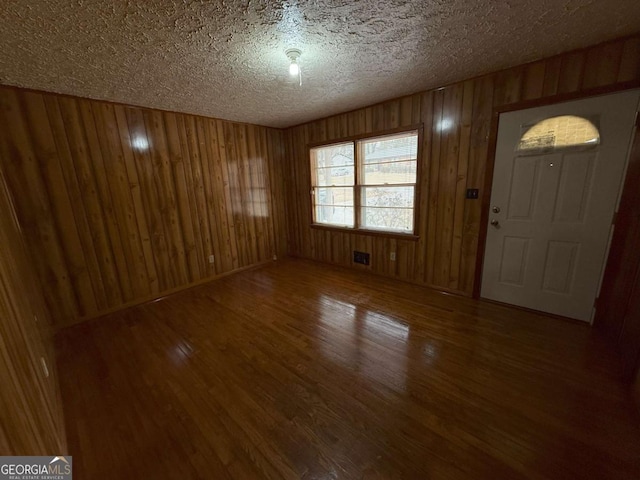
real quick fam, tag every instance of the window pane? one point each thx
(559, 132)
(381, 218)
(334, 215)
(388, 197)
(390, 173)
(334, 206)
(332, 165)
(333, 195)
(391, 148)
(388, 208)
(334, 176)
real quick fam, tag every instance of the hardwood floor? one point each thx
(303, 370)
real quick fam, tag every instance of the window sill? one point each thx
(372, 233)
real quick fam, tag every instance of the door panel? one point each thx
(559, 267)
(524, 183)
(551, 212)
(575, 187)
(514, 260)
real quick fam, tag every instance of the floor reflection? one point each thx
(430, 353)
(370, 343)
(180, 353)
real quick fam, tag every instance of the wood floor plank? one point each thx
(304, 370)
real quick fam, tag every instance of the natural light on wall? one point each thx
(559, 132)
(139, 143)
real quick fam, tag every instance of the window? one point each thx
(368, 184)
(558, 132)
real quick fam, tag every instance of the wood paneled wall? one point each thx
(457, 125)
(31, 420)
(122, 204)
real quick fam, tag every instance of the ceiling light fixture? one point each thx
(294, 68)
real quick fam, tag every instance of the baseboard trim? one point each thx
(156, 297)
(367, 270)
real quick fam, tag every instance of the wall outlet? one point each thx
(212, 259)
(275, 257)
(392, 256)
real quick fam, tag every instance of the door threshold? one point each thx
(536, 312)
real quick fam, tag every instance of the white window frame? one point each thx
(358, 186)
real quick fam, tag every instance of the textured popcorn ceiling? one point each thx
(226, 58)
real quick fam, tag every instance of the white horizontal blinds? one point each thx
(332, 182)
(388, 173)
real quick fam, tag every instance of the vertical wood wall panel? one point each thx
(454, 156)
(120, 204)
(31, 421)
(18, 156)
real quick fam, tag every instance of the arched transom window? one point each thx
(561, 132)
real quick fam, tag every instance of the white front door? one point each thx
(552, 207)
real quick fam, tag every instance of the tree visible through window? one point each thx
(367, 184)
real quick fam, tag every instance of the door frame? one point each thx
(491, 159)
(618, 307)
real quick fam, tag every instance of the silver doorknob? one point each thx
(495, 209)
(495, 223)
